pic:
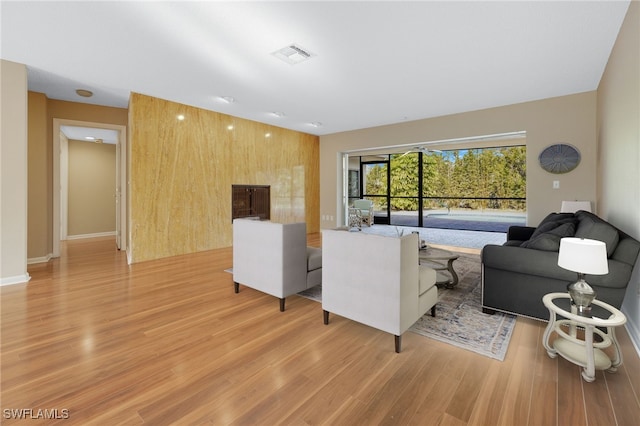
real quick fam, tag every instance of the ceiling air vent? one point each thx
(293, 54)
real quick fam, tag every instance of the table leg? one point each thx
(589, 372)
(617, 354)
(547, 334)
(454, 276)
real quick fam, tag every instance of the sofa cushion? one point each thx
(593, 228)
(552, 221)
(314, 258)
(550, 240)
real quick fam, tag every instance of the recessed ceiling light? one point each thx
(293, 54)
(316, 124)
(278, 113)
(84, 93)
(89, 138)
(228, 99)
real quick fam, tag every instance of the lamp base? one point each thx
(583, 311)
(581, 295)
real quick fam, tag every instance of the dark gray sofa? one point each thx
(517, 274)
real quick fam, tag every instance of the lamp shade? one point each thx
(574, 206)
(583, 256)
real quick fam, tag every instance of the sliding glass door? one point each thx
(405, 189)
(375, 185)
(481, 189)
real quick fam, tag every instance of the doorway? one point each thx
(60, 176)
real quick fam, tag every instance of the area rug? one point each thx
(459, 319)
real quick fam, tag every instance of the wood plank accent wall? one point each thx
(181, 173)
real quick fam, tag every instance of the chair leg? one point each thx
(236, 287)
(325, 315)
(433, 311)
(398, 344)
(282, 304)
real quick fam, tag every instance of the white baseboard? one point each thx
(43, 259)
(96, 235)
(634, 334)
(18, 279)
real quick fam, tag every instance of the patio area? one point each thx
(457, 219)
(446, 237)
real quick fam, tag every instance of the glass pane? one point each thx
(379, 205)
(353, 177)
(404, 189)
(404, 175)
(375, 179)
(404, 211)
(437, 168)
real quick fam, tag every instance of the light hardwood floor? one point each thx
(168, 342)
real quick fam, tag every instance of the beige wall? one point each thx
(39, 178)
(40, 228)
(182, 173)
(92, 181)
(13, 173)
(567, 119)
(619, 146)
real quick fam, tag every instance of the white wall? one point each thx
(619, 147)
(13, 173)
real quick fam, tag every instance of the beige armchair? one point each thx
(274, 258)
(366, 210)
(376, 280)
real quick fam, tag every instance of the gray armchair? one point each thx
(383, 286)
(274, 258)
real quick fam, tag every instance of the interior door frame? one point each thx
(60, 179)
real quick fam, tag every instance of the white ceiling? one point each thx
(375, 63)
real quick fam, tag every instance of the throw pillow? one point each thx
(550, 241)
(594, 228)
(552, 221)
(555, 217)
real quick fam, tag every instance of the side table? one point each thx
(440, 260)
(583, 352)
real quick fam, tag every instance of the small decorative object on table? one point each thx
(583, 352)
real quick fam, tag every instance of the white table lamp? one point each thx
(574, 206)
(584, 257)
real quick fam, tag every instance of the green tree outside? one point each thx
(492, 173)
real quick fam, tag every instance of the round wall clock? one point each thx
(559, 158)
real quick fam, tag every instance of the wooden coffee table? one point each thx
(442, 261)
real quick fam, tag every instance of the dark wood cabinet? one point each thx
(251, 201)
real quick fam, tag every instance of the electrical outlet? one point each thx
(556, 184)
